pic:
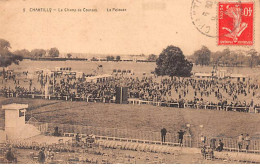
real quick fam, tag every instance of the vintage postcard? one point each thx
(129, 82)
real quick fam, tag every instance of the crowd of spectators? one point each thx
(191, 92)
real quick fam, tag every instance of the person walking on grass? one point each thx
(163, 134)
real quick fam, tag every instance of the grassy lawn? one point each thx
(141, 117)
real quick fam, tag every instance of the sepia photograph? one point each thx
(129, 82)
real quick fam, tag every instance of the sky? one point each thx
(147, 26)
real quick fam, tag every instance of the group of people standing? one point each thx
(186, 90)
(180, 136)
(243, 138)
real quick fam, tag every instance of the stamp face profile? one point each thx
(235, 23)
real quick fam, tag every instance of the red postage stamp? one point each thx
(235, 23)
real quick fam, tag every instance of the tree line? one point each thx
(6, 56)
(170, 62)
(39, 53)
(112, 58)
(226, 57)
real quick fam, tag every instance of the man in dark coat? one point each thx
(10, 156)
(181, 134)
(163, 134)
(41, 156)
(220, 146)
(56, 131)
(213, 143)
(77, 137)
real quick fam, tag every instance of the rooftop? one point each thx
(15, 106)
(203, 74)
(237, 76)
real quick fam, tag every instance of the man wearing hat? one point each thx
(41, 156)
(181, 134)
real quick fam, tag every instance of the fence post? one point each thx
(198, 141)
(97, 131)
(144, 135)
(233, 144)
(136, 134)
(190, 140)
(114, 132)
(46, 127)
(253, 146)
(257, 145)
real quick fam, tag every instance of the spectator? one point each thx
(163, 134)
(10, 156)
(41, 156)
(181, 134)
(77, 137)
(56, 131)
(203, 139)
(240, 141)
(247, 141)
(147, 88)
(203, 151)
(213, 143)
(207, 152)
(220, 146)
(49, 155)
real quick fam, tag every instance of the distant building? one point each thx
(136, 58)
(221, 74)
(238, 77)
(62, 69)
(2, 136)
(15, 126)
(203, 75)
(123, 71)
(99, 78)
